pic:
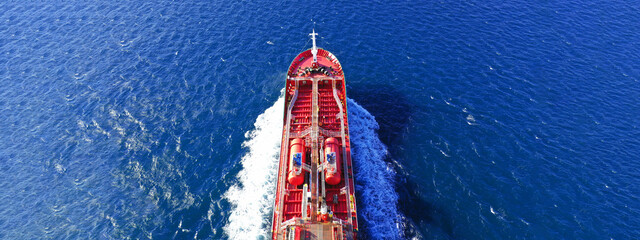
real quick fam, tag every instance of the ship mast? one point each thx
(314, 50)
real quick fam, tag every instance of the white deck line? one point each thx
(284, 154)
(344, 153)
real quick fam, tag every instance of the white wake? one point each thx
(378, 203)
(253, 197)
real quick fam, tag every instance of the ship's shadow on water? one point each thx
(393, 112)
(388, 106)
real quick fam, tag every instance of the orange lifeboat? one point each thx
(333, 162)
(296, 158)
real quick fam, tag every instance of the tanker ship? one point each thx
(315, 194)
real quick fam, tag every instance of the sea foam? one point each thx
(253, 197)
(378, 203)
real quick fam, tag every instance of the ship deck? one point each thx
(315, 110)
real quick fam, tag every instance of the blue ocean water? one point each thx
(470, 120)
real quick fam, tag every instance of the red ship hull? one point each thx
(315, 195)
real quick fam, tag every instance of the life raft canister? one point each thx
(333, 161)
(296, 158)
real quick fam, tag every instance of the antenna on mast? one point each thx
(314, 50)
